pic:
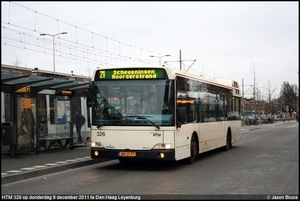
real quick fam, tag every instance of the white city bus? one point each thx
(202, 114)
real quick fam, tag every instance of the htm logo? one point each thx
(6, 197)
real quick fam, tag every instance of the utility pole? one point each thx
(245, 92)
(180, 60)
(254, 91)
(243, 100)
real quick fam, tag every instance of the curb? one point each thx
(26, 173)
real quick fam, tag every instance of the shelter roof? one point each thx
(12, 82)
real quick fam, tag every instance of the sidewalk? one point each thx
(23, 166)
(26, 160)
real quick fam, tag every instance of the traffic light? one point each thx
(269, 111)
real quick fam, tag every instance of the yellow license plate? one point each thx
(123, 153)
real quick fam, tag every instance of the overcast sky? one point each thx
(237, 40)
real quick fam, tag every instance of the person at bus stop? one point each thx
(26, 129)
(79, 121)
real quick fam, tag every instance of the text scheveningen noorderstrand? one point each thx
(71, 197)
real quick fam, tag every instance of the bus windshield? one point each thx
(133, 103)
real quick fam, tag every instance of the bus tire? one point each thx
(228, 141)
(194, 150)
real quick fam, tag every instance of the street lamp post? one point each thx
(160, 57)
(53, 35)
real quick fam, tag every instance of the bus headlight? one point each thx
(161, 155)
(96, 144)
(163, 146)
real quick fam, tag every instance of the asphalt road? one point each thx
(265, 162)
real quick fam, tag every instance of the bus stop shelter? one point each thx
(32, 87)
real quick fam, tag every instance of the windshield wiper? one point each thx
(149, 122)
(100, 125)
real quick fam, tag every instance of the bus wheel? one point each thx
(194, 150)
(228, 141)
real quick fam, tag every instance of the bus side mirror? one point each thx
(90, 95)
(178, 124)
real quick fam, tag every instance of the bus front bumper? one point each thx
(156, 154)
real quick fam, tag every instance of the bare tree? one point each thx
(17, 63)
(89, 71)
(270, 91)
(254, 86)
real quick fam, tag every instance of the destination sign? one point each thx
(130, 74)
